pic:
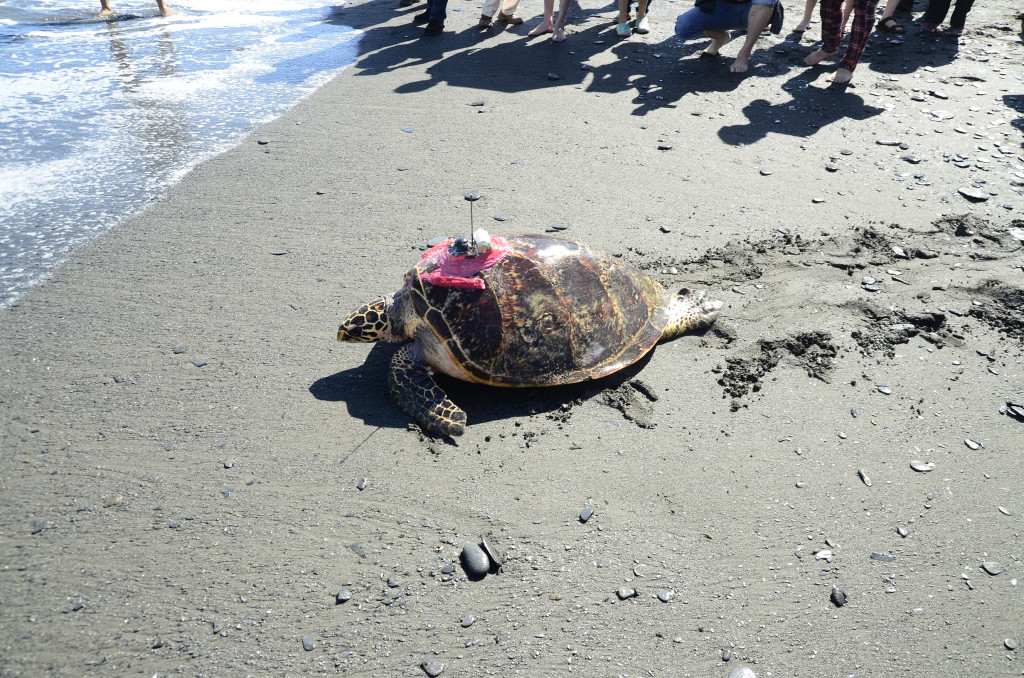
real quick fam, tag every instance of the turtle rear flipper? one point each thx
(415, 391)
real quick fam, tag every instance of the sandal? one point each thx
(888, 24)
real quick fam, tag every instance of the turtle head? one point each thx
(367, 323)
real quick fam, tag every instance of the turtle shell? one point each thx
(552, 311)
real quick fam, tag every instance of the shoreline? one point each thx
(184, 440)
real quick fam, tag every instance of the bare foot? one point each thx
(544, 27)
(559, 35)
(817, 56)
(740, 65)
(106, 12)
(719, 39)
(841, 76)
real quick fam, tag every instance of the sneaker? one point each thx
(623, 30)
(929, 27)
(421, 18)
(955, 31)
(433, 28)
(643, 26)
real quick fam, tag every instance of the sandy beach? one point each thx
(198, 480)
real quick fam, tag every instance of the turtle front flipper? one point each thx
(415, 391)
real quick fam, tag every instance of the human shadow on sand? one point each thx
(364, 390)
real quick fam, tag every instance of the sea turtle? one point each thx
(528, 310)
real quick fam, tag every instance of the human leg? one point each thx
(888, 23)
(831, 26)
(546, 23)
(163, 8)
(805, 22)
(642, 24)
(558, 32)
(959, 16)
(757, 18)
(508, 12)
(935, 14)
(105, 7)
(863, 19)
(695, 23)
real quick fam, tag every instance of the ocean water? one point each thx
(99, 117)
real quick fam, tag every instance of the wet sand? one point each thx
(184, 441)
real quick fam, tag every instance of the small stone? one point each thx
(403, 168)
(838, 597)
(432, 668)
(467, 621)
(408, 130)
(344, 595)
(361, 484)
(912, 159)
(972, 193)
(864, 477)
(884, 390)
(846, 151)
(228, 463)
(882, 557)
(832, 167)
(823, 554)
(307, 643)
(625, 592)
(992, 567)
(765, 172)
(554, 76)
(586, 514)
(43, 524)
(393, 583)
(973, 445)
(120, 378)
(902, 531)
(358, 549)
(666, 595)
(178, 349)
(1005, 511)
(475, 560)
(922, 467)
(158, 643)
(1010, 644)
(726, 655)
(500, 217)
(887, 142)
(491, 551)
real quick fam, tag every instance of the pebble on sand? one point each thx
(838, 597)
(586, 514)
(475, 560)
(307, 643)
(432, 668)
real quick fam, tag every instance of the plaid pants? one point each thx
(860, 29)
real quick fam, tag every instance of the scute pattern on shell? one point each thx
(553, 312)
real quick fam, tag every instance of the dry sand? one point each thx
(182, 437)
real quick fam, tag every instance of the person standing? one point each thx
(831, 34)
(936, 14)
(548, 23)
